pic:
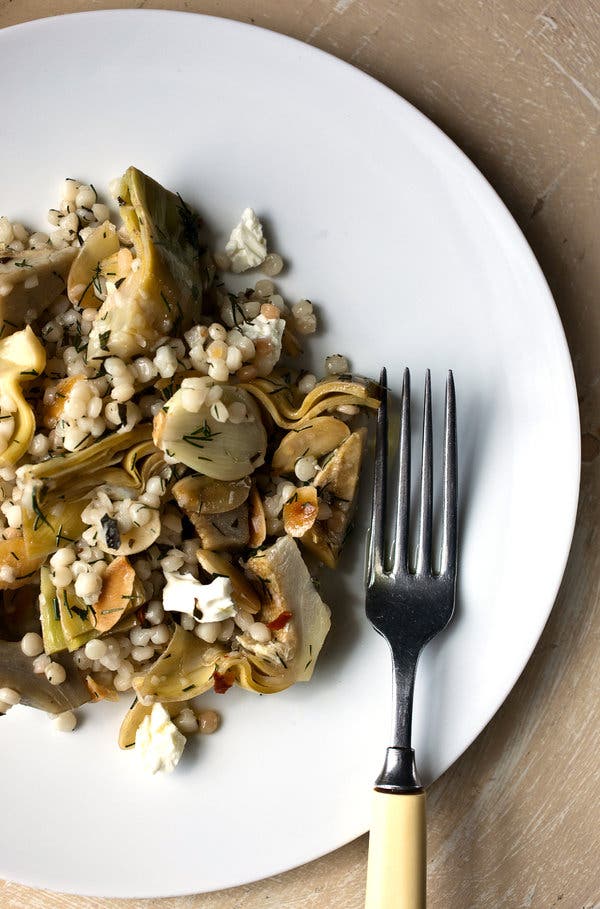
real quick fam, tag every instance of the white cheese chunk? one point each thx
(204, 602)
(246, 246)
(158, 742)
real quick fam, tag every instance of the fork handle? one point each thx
(396, 872)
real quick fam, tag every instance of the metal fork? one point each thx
(408, 607)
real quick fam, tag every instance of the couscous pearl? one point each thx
(237, 412)
(62, 576)
(264, 288)
(217, 350)
(307, 383)
(122, 392)
(140, 637)
(155, 612)
(160, 635)
(95, 649)
(219, 412)
(259, 632)
(187, 622)
(141, 654)
(251, 309)
(272, 264)
(336, 365)
(233, 359)
(32, 644)
(227, 629)
(192, 400)
(100, 211)
(69, 189)
(85, 197)
(217, 332)
(214, 394)
(305, 468)
(186, 721)
(208, 631)
(111, 661)
(55, 673)
(87, 584)
(218, 371)
(244, 620)
(122, 682)
(65, 722)
(41, 663)
(9, 696)
(6, 231)
(20, 232)
(208, 721)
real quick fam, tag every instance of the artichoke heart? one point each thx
(224, 451)
(290, 657)
(163, 292)
(22, 359)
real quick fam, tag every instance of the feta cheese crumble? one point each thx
(204, 602)
(158, 742)
(246, 246)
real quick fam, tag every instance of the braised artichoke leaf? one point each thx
(164, 292)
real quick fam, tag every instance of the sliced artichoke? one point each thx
(29, 283)
(184, 670)
(22, 359)
(224, 451)
(338, 485)
(313, 437)
(204, 495)
(89, 266)
(164, 292)
(326, 396)
(291, 591)
(66, 620)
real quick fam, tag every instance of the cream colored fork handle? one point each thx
(396, 872)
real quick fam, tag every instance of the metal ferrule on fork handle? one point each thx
(399, 772)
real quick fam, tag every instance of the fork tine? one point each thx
(449, 495)
(403, 503)
(425, 517)
(377, 530)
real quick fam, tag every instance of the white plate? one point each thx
(413, 260)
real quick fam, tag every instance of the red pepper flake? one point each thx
(140, 615)
(222, 683)
(280, 621)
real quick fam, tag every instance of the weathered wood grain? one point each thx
(515, 823)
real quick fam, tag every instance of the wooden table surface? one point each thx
(515, 823)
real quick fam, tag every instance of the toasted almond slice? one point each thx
(121, 594)
(300, 512)
(256, 520)
(312, 437)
